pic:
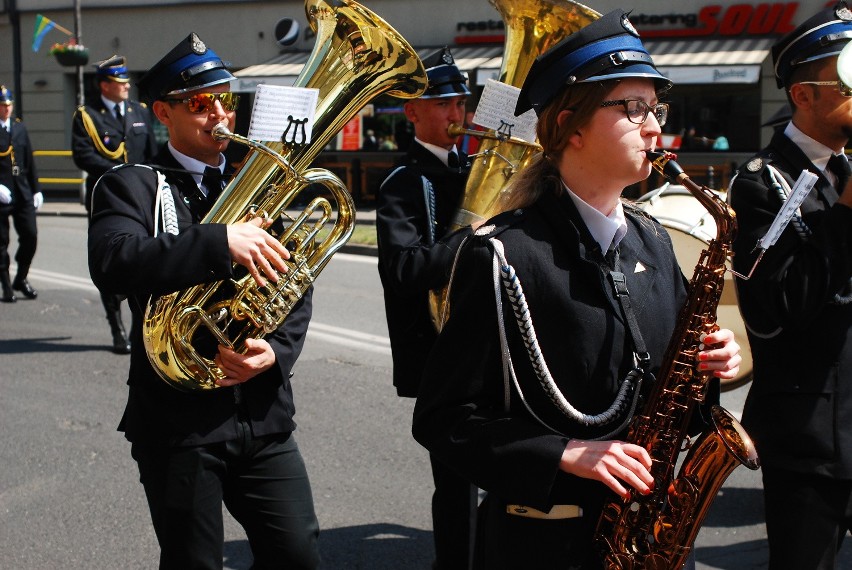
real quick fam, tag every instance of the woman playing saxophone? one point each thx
(560, 312)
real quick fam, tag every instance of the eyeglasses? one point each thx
(203, 102)
(637, 110)
(845, 90)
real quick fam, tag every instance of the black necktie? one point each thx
(117, 110)
(839, 166)
(453, 161)
(212, 182)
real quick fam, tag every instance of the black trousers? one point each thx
(262, 482)
(807, 517)
(453, 518)
(23, 216)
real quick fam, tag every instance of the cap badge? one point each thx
(447, 58)
(843, 13)
(625, 23)
(197, 45)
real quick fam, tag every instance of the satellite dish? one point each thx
(286, 31)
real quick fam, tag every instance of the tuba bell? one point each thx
(356, 57)
(532, 27)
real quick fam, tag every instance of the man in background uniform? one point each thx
(20, 197)
(108, 131)
(416, 250)
(798, 304)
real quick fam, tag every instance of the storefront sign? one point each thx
(484, 31)
(707, 74)
(735, 20)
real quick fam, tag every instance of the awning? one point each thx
(281, 70)
(285, 68)
(683, 61)
(710, 60)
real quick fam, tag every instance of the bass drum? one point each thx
(691, 228)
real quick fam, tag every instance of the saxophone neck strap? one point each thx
(622, 295)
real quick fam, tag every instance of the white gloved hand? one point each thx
(5, 194)
(38, 200)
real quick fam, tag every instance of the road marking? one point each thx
(350, 338)
(329, 333)
(354, 257)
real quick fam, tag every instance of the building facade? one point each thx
(716, 51)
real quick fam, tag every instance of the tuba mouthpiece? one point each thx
(221, 132)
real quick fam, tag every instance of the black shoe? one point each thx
(8, 295)
(24, 287)
(120, 344)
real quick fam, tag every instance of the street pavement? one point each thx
(69, 495)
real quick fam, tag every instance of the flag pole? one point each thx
(77, 33)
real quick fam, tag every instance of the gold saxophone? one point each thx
(357, 56)
(656, 531)
(532, 27)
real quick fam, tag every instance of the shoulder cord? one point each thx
(89, 125)
(164, 201)
(630, 387)
(164, 205)
(429, 198)
(8, 151)
(783, 189)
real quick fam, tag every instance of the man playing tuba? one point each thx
(234, 445)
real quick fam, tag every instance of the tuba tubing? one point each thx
(356, 57)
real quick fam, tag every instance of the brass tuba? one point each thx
(532, 27)
(357, 56)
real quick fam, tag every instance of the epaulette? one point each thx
(754, 168)
(500, 223)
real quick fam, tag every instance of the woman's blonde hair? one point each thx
(583, 99)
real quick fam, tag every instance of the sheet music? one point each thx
(803, 186)
(281, 111)
(496, 110)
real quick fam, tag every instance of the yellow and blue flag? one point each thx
(42, 26)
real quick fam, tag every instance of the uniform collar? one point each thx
(607, 231)
(110, 105)
(816, 152)
(193, 166)
(440, 152)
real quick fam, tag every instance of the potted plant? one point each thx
(70, 53)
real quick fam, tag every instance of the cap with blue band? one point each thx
(6, 96)
(608, 48)
(820, 36)
(112, 69)
(189, 66)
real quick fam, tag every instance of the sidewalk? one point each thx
(362, 216)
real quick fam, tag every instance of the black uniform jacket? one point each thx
(25, 184)
(410, 262)
(136, 130)
(124, 258)
(799, 317)
(460, 414)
